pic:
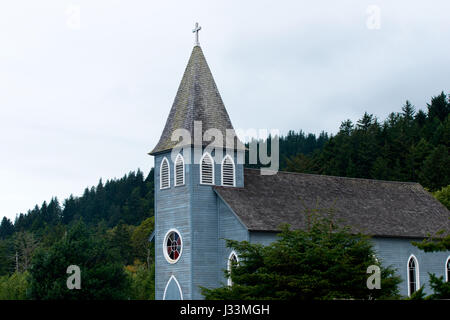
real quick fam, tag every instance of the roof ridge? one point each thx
(341, 177)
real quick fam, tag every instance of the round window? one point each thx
(173, 246)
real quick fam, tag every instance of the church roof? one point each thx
(197, 99)
(373, 207)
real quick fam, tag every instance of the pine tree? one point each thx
(439, 107)
(408, 111)
(325, 261)
(6, 228)
(435, 172)
(102, 274)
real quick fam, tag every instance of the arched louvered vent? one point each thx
(207, 169)
(228, 172)
(164, 174)
(179, 170)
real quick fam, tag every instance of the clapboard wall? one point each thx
(395, 252)
(193, 210)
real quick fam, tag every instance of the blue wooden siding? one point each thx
(396, 252)
(206, 259)
(230, 227)
(172, 210)
(193, 210)
(204, 233)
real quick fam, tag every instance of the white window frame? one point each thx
(160, 173)
(206, 154)
(417, 273)
(164, 246)
(229, 281)
(179, 156)
(178, 285)
(446, 269)
(234, 170)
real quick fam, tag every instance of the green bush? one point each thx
(14, 287)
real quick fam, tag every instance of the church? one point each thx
(200, 201)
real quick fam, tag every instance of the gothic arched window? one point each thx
(413, 275)
(164, 174)
(179, 170)
(173, 290)
(207, 169)
(173, 246)
(228, 175)
(232, 261)
(447, 269)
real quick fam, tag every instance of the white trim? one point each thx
(178, 285)
(212, 165)
(229, 282)
(446, 270)
(164, 246)
(234, 169)
(175, 168)
(416, 271)
(168, 173)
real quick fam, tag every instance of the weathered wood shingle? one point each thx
(197, 99)
(378, 208)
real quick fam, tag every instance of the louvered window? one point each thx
(207, 169)
(228, 172)
(179, 170)
(164, 174)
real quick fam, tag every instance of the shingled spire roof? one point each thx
(197, 99)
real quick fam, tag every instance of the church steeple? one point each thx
(197, 99)
(186, 205)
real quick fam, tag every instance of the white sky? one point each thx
(80, 102)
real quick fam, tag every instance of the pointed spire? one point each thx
(197, 99)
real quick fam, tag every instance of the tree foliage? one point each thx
(128, 200)
(102, 273)
(406, 146)
(142, 281)
(324, 262)
(14, 286)
(443, 195)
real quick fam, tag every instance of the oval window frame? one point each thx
(166, 255)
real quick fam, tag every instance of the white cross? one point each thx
(196, 30)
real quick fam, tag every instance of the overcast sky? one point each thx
(86, 86)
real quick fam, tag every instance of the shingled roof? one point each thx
(373, 207)
(197, 99)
